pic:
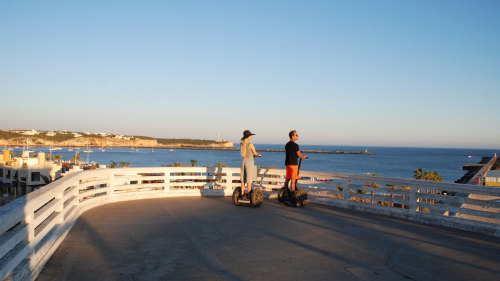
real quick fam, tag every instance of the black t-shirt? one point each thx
(291, 149)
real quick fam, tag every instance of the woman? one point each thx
(248, 171)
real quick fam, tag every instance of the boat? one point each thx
(88, 150)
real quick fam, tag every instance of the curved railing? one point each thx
(32, 227)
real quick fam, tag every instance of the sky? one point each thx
(363, 73)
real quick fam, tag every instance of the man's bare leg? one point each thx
(294, 182)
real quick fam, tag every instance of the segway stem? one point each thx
(298, 173)
(300, 163)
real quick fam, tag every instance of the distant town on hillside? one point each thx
(67, 138)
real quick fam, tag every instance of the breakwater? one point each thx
(321, 151)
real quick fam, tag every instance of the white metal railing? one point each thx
(467, 207)
(32, 227)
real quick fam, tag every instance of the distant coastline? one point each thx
(35, 138)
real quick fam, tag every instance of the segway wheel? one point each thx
(257, 197)
(281, 193)
(300, 198)
(236, 194)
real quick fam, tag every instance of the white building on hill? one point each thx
(32, 132)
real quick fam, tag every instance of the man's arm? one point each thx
(300, 155)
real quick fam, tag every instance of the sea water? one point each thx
(398, 162)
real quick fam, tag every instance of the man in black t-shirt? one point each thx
(292, 155)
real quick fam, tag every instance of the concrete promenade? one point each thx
(208, 238)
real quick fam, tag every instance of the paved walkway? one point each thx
(211, 239)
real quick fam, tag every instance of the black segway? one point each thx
(297, 198)
(255, 197)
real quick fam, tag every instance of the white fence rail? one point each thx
(32, 227)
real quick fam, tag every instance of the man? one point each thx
(292, 155)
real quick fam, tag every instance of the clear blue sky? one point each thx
(369, 73)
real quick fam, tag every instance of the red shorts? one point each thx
(292, 172)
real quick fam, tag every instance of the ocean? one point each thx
(387, 161)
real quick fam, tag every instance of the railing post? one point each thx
(60, 207)
(111, 184)
(75, 192)
(345, 189)
(413, 200)
(166, 180)
(229, 181)
(29, 219)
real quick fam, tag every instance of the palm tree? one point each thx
(124, 164)
(220, 164)
(194, 162)
(418, 173)
(76, 157)
(57, 157)
(434, 176)
(113, 164)
(119, 164)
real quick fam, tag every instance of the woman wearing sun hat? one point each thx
(248, 171)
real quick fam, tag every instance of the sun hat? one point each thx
(246, 134)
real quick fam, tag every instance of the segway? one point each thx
(256, 197)
(297, 198)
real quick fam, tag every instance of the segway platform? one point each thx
(299, 199)
(256, 197)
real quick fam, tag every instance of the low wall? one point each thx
(32, 227)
